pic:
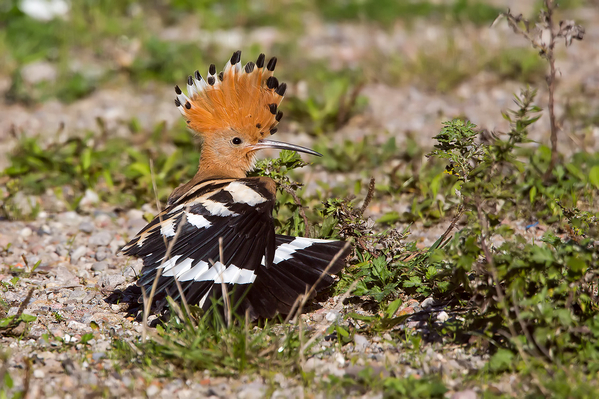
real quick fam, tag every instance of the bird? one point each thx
(218, 229)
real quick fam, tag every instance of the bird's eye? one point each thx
(236, 141)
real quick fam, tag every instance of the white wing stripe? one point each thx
(246, 276)
(217, 208)
(204, 298)
(198, 221)
(169, 263)
(244, 194)
(167, 227)
(197, 270)
(286, 251)
(179, 269)
(219, 274)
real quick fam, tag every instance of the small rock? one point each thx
(25, 203)
(405, 311)
(255, 390)
(39, 71)
(78, 253)
(73, 324)
(312, 364)
(101, 238)
(63, 277)
(318, 317)
(44, 229)
(26, 232)
(113, 280)
(332, 316)
(135, 214)
(467, 394)
(77, 295)
(427, 303)
(61, 250)
(102, 253)
(70, 218)
(86, 227)
(99, 266)
(361, 342)
(98, 355)
(38, 373)
(442, 316)
(152, 390)
(90, 198)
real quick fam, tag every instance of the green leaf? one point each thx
(85, 338)
(533, 194)
(389, 218)
(6, 321)
(594, 176)
(8, 382)
(501, 360)
(86, 159)
(393, 306)
(28, 318)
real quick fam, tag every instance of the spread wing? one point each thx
(183, 240)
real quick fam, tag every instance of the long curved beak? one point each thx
(263, 144)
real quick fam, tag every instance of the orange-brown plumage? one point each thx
(241, 102)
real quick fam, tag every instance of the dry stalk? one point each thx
(148, 300)
(369, 197)
(225, 293)
(543, 37)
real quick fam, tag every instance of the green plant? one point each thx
(329, 107)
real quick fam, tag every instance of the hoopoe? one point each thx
(233, 112)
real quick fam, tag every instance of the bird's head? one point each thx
(234, 112)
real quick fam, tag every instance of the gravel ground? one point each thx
(80, 267)
(78, 252)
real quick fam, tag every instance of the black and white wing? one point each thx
(264, 272)
(238, 211)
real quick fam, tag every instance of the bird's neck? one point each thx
(214, 165)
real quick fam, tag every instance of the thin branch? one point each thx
(369, 196)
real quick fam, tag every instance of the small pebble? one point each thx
(332, 316)
(427, 303)
(101, 238)
(26, 232)
(152, 390)
(78, 253)
(102, 253)
(442, 316)
(361, 342)
(467, 394)
(99, 266)
(86, 227)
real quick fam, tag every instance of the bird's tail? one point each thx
(299, 264)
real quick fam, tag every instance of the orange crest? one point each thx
(238, 98)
